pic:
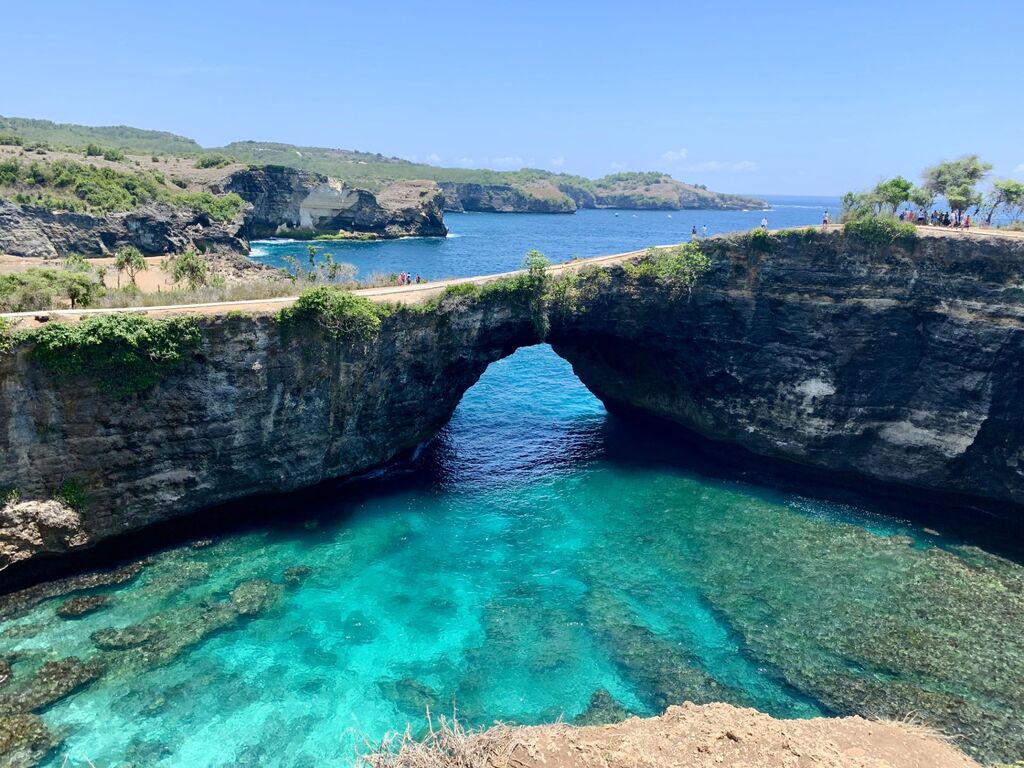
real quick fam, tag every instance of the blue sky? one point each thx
(785, 97)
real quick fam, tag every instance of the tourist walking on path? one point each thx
(824, 221)
(693, 232)
(705, 229)
(764, 222)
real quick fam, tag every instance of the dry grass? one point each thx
(912, 723)
(251, 290)
(447, 744)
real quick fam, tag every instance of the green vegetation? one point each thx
(368, 170)
(881, 231)
(187, 267)
(121, 354)
(1007, 195)
(6, 335)
(213, 160)
(130, 260)
(575, 289)
(644, 178)
(678, 266)
(885, 199)
(217, 207)
(38, 289)
(327, 271)
(759, 240)
(71, 493)
(956, 180)
(122, 137)
(68, 185)
(107, 153)
(341, 313)
(9, 495)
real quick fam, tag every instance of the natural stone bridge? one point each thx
(898, 364)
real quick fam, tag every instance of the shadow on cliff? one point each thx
(619, 440)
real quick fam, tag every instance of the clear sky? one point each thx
(784, 97)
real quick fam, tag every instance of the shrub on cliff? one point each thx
(881, 231)
(678, 266)
(121, 353)
(188, 267)
(213, 160)
(217, 207)
(341, 313)
(36, 289)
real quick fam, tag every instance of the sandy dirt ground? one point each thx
(406, 294)
(150, 281)
(722, 736)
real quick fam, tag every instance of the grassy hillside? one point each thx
(67, 181)
(375, 171)
(67, 135)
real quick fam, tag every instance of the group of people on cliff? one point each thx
(406, 278)
(937, 218)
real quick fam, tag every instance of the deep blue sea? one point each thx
(485, 243)
(537, 553)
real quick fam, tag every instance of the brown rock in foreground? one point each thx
(712, 736)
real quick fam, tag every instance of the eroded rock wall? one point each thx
(883, 363)
(154, 229)
(261, 408)
(880, 364)
(285, 199)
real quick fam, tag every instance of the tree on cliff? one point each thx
(893, 192)
(130, 260)
(956, 180)
(1007, 194)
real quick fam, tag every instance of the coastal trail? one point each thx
(402, 294)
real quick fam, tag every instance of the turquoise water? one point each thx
(538, 551)
(485, 243)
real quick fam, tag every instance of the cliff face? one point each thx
(891, 364)
(539, 196)
(258, 410)
(153, 229)
(895, 364)
(504, 198)
(283, 199)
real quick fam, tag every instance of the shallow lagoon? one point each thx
(539, 551)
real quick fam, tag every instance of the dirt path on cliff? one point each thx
(692, 736)
(400, 294)
(404, 294)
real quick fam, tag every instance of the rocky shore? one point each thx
(275, 201)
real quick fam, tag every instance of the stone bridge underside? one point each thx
(897, 365)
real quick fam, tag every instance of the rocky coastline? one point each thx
(276, 201)
(893, 364)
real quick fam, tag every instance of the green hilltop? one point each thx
(533, 189)
(68, 135)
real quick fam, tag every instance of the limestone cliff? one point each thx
(154, 229)
(505, 198)
(897, 364)
(552, 193)
(285, 199)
